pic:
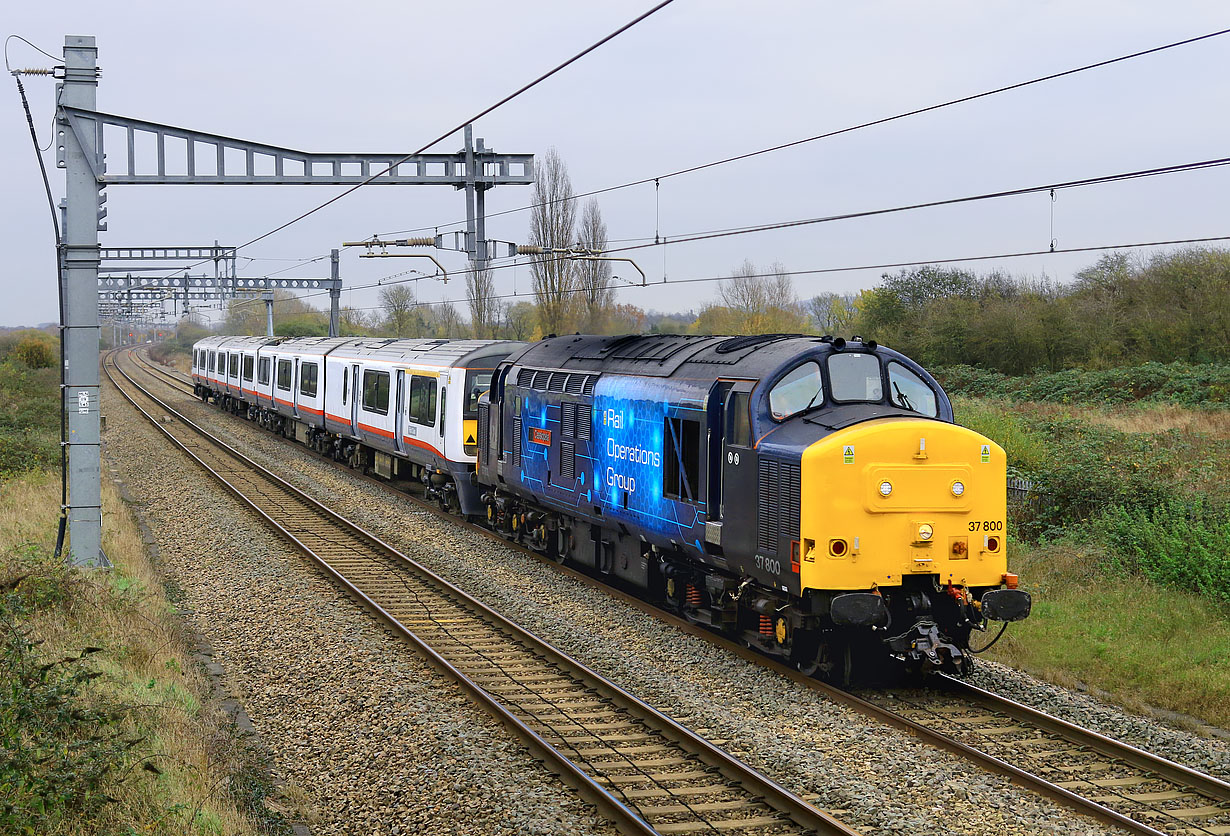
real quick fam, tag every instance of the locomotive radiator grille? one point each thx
(779, 504)
(516, 442)
(484, 414)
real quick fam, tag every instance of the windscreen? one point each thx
(855, 377)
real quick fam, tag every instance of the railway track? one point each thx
(641, 769)
(1088, 772)
(1159, 793)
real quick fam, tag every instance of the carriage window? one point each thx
(795, 392)
(681, 465)
(248, 363)
(345, 385)
(234, 366)
(738, 424)
(855, 377)
(477, 382)
(423, 400)
(907, 390)
(376, 392)
(284, 374)
(443, 401)
(307, 380)
(196, 358)
(211, 361)
(262, 372)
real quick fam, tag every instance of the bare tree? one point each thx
(831, 313)
(448, 324)
(484, 307)
(760, 303)
(551, 225)
(594, 277)
(398, 302)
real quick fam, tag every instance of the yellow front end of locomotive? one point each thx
(898, 497)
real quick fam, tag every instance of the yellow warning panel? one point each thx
(469, 432)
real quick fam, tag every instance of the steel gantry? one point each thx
(184, 156)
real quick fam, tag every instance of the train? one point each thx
(808, 496)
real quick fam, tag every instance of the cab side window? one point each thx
(738, 421)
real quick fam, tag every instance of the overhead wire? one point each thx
(59, 273)
(485, 111)
(665, 241)
(880, 266)
(840, 131)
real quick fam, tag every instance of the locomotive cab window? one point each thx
(284, 374)
(307, 380)
(423, 400)
(262, 372)
(248, 363)
(477, 382)
(800, 389)
(376, 392)
(907, 390)
(681, 459)
(855, 377)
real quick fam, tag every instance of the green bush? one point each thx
(58, 750)
(1184, 384)
(29, 418)
(1180, 543)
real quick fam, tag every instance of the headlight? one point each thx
(958, 488)
(925, 531)
(886, 488)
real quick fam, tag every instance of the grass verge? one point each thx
(1125, 543)
(1143, 644)
(106, 720)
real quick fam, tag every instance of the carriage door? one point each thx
(294, 390)
(441, 420)
(355, 397)
(399, 423)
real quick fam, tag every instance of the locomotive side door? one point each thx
(738, 468)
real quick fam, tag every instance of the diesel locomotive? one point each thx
(809, 496)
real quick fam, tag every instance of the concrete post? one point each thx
(80, 329)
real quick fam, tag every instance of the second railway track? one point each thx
(1086, 771)
(642, 770)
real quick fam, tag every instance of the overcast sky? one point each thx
(696, 82)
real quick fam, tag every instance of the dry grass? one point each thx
(147, 667)
(1139, 418)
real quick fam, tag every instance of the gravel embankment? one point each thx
(368, 738)
(876, 778)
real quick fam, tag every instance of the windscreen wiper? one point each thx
(902, 399)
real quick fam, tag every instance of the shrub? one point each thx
(1180, 543)
(58, 751)
(1184, 384)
